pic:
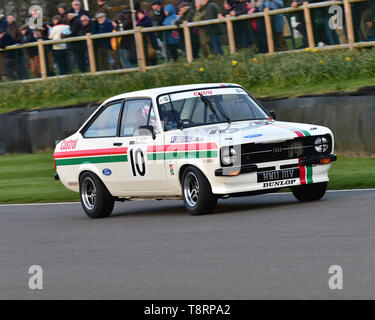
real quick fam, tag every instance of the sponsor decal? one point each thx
(107, 172)
(253, 136)
(164, 99)
(279, 183)
(171, 169)
(185, 139)
(73, 184)
(68, 144)
(204, 93)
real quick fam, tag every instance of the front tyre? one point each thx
(96, 201)
(197, 192)
(310, 192)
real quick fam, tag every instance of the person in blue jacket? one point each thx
(171, 37)
(277, 22)
(102, 25)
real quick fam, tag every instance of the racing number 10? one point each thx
(134, 159)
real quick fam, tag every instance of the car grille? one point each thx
(252, 153)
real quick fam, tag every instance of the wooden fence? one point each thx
(228, 20)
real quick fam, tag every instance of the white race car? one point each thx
(196, 142)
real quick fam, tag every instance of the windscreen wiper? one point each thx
(212, 107)
(179, 122)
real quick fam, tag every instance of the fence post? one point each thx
(188, 47)
(142, 57)
(308, 22)
(267, 20)
(349, 24)
(232, 44)
(42, 59)
(90, 49)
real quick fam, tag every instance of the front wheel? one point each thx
(310, 192)
(96, 200)
(197, 192)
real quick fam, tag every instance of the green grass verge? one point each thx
(288, 74)
(29, 178)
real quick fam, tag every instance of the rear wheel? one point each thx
(96, 200)
(310, 192)
(197, 193)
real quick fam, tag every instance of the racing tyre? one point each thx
(197, 193)
(96, 200)
(310, 192)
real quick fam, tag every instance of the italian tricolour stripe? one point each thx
(305, 172)
(91, 156)
(182, 151)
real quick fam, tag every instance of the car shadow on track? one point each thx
(250, 205)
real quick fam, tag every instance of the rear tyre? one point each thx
(197, 192)
(310, 192)
(96, 200)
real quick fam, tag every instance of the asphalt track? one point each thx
(263, 247)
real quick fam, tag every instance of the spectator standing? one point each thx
(172, 38)
(158, 16)
(215, 31)
(368, 24)
(149, 38)
(85, 29)
(241, 29)
(13, 30)
(204, 38)
(186, 13)
(27, 36)
(44, 33)
(63, 12)
(277, 22)
(159, 13)
(127, 44)
(60, 54)
(3, 22)
(77, 47)
(301, 22)
(76, 8)
(102, 25)
(10, 61)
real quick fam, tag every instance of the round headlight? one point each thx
(321, 144)
(228, 156)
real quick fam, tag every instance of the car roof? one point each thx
(163, 90)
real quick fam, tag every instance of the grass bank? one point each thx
(287, 74)
(29, 178)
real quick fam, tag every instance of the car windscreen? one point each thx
(207, 106)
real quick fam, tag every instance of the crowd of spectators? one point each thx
(120, 52)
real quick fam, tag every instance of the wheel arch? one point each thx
(184, 167)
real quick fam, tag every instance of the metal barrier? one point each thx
(228, 20)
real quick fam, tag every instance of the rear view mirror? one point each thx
(147, 131)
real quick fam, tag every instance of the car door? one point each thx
(99, 141)
(144, 173)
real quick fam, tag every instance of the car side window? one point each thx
(105, 125)
(137, 113)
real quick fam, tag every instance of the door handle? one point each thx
(117, 144)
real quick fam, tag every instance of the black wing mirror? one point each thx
(273, 115)
(146, 131)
